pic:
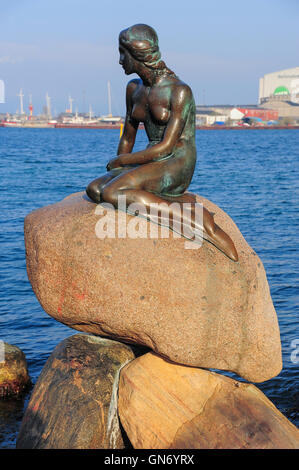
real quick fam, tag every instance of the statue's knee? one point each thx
(109, 195)
(93, 192)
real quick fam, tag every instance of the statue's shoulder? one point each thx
(133, 84)
(131, 87)
(181, 89)
(184, 86)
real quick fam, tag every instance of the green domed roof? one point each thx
(281, 90)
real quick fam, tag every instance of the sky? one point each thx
(70, 47)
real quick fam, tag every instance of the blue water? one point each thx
(252, 175)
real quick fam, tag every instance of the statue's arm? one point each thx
(180, 106)
(127, 140)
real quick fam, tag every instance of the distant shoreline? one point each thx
(238, 128)
(118, 126)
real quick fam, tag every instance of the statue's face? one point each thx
(126, 60)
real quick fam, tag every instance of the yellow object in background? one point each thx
(121, 130)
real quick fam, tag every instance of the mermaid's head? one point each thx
(142, 42)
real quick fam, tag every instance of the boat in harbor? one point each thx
(28, 124)
(95, 125)
(69, 120)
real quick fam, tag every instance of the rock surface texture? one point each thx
(168, 406)
(74, 402)
(14, 377)
(193, 306)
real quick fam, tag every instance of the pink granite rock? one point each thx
(193, 306)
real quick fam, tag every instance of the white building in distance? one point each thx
(282, 84)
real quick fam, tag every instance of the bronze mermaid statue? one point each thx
(163, 171)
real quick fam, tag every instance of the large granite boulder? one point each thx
(163, 405)
(14, 376)
(193, 306)
(74, 402)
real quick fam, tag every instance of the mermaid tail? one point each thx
(211, 232)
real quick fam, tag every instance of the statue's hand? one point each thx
(114, 163)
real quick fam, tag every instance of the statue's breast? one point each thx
(159, 113)
(151, 104)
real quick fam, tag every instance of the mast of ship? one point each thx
(48, 101)
(109, 100)
(90, 112)
(71, 104)
(30, 107)
(21, 96)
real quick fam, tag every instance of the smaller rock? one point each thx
(163, 405)
(14, 377)
(74, 402)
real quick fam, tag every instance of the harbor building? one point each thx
(277, 85)
(286, 109)
(278, 103)
(280, 91)
(233, 115)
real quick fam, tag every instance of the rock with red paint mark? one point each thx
(74, 402)
(168, 406)
(193, 306)
(14, 376)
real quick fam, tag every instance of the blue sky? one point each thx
(220, 48)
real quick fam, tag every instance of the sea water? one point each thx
(251, 174)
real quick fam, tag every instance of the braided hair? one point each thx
(142, 42)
